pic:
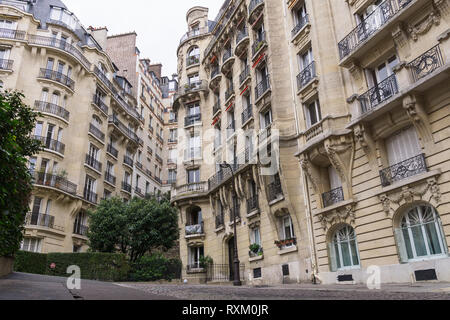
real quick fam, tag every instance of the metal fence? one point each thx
(222, 272)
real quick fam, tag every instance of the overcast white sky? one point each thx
(159, 24)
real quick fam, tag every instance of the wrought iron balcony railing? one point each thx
(217, 106)
(220, 220)
(259, 43)
(6, 64)
(51, 108)
(93, 163)
(262, 87)
(403, 170)
(253, 4)
(80, 230)
(113, 151)
(53, 181)
(110, 178)
(252, 204)
(230, 92)
(244, 74)
(370, 25)
(300, 24)
(306, 75)
(96, 132)
(51, 144)
(426, 64)
(58, 77)
(193, 60)
(12, 34)
(235, 211)
(227, 55)
(192, 119)
(193, 33)
(195, 229)
(215, 71)
(105, 80)
(158, 158)
(243, 33)
(90, 196)
(124, 129)
(97, 100)
(192, 87)
(40, 220)
(378, 94)
(274, 189)
(60, 44)
(247, 114)
(333, 197)
(126, 187)
(128, 161)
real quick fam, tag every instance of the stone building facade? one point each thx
(352, 99)
(91, 123)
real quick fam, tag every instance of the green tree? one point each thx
(17, 121)
(134, 228)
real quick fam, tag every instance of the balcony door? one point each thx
(193, 176)
(402, 146)
(306, 59)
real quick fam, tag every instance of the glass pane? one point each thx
(408, 244)
(346, 254)
(433, 238)
(354, 248)
(338, 260)
(421, 250)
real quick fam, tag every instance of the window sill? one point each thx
(334, 207)
(258, 258)
(253, 214)
(410, 180)
(288, 250)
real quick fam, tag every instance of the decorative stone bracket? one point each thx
(418, 117)
(427, 191)
(345, 214)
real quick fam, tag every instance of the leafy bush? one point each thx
(30, 262)
(155, 267)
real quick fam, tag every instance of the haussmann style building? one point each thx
(349, 102)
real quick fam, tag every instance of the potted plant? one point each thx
(255, 248)
(205, 261)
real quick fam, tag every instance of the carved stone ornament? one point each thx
(418, 117)
(429, 191)
(306, 166)
(433, 18)
(341, 215)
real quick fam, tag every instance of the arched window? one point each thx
(194, 51)
(343, 249)
(420, 234)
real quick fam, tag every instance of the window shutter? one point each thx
(332, 257)
(403, 255)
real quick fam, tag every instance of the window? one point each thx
(383, 71)
(266, 119)
(300, 15)
(305, 59)
(195, 253)
(343, 249)
(8, 24)
(402, 146)
(313, 114)
(255, 236)
(31, 245)
(193, 109)
(420, 234)
(193, 176)
(4, 53)
(287, 229)
(80, 223)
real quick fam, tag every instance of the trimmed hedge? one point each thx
(93, 266)
(30, 262)
(155, 267)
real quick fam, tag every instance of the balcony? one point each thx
(192, 34)
(53, 181)
(274, 190)
(139, 165)
(112, 151)
(80, 230)
(192, 119)
(96, 132)
(236, 211)
(6, 64)
(190, 89)
(300, 25)
(60, 44)
(190, 189)
(265, 133)
(40, 220)
(159, 158)
(306, 76)
(252, 204)
(58, 77)
(216, 76)
(138, 191)
(403, 170)
(12, 34)
(216, 108)
(242, 40)
(194, 230)
(262, 88)
(90, 196)
(254, 8)
(229, 93)
(245, 74)
(231, 128)
(160, 138)
(104, 79)
(426, 64)
(378, 94)
(259, 44)
(191, 154)
(227, 60)
(110, 178)
(50, 144)
(127, 132)
(98, 102)
(247, 114)
(193, 60)
(333, 197)
(93, 163)
(128, 161)
(126, 187)
(50, 108)
(374, 22)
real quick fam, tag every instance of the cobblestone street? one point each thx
(298, 292)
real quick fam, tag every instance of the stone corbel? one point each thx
(310, 172)
(355, 70)
(444, 44)
(400, 36)
(341, 215)
(418, 117)
(340, 153)
(428, 191)
(367, 143)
